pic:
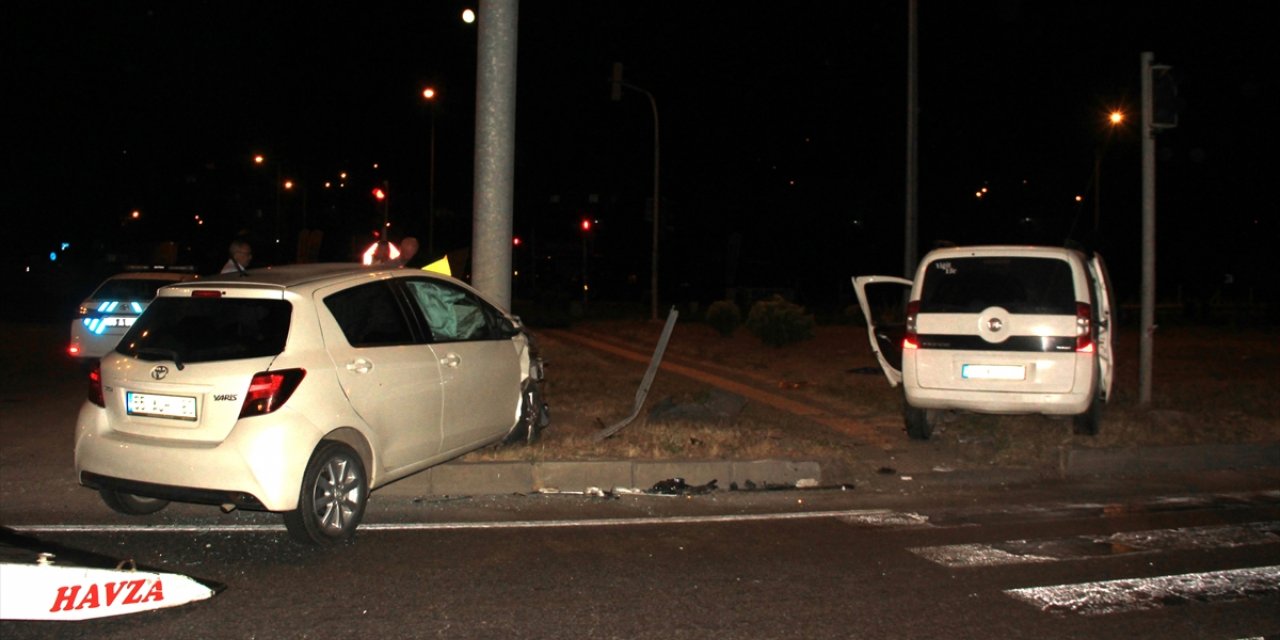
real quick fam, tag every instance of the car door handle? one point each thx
(360, 365)
(452, 360)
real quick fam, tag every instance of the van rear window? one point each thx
(1019, 285)
(208, 329)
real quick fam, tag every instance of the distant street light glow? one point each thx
(1116, 117)
(468, 16)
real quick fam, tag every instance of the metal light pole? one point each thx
(912, 213)
(616, 95)
(1114, 119)
(429, 94)
(1146, 335)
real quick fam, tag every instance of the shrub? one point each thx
(724, 316)
(778, 322)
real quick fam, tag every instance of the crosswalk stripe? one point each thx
(1138, 594)
(1093, 546)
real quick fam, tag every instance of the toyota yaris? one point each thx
(300, 389)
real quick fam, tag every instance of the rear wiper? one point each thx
(169, 354)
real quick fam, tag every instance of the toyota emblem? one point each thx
(159, 372)
(993, 324)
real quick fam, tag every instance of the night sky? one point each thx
(783, 134)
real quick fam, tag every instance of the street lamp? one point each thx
(429, 95)
(616, 95)
(1114, 119)
(585, 225)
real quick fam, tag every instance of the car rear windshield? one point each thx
(134, 289)
(1018, 284)
(208, 329)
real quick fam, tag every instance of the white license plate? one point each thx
(154, 404)
(120, 321)
(993, 372)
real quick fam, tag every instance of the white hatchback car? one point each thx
(299, 389)
(110, 310)
(997, 329)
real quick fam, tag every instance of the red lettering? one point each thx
(113, 590)
(156, 593)
(134, 597)
(65, 599)
(90, 598)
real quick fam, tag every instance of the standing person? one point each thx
(241, 254)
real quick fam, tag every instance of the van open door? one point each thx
(884, 310)
(1106, 334)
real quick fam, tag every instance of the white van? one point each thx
(998, 329)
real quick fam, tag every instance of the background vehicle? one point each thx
(112, 308)
(998, 329)
(299, 389)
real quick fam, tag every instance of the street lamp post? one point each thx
(618, 85)
(1114, 119)
(429, 94)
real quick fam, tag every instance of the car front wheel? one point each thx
(534, 415)
(334, 493)
(131, 505)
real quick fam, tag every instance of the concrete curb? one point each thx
(499, 478)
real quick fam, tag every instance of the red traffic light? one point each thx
(586, 224)
(515, 241)
(379, 194)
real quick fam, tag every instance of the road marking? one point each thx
(872, 517)
(1094, 546)
(1139, 594)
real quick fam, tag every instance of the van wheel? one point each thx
(919, 421)
(131, 505)
(1087, 423)
(334, 492)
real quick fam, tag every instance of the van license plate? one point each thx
(162, 406)
(993, 372)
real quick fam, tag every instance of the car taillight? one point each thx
(911, 340)
(269, 390)
(95, 385)
(1084, 328)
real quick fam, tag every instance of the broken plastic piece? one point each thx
(678, 487)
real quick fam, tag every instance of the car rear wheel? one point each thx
(130, 504)
(919, 421)
(334, 493)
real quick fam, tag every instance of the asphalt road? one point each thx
(782, 565)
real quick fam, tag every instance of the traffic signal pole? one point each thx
(1146, 337)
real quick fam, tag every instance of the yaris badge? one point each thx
(159, 372)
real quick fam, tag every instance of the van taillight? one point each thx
(269, 390)
(910, 340)
(95, 385)
(1084, 328)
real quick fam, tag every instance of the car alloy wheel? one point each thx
(334, 493)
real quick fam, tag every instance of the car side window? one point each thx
(453, 314)
(369, 316)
